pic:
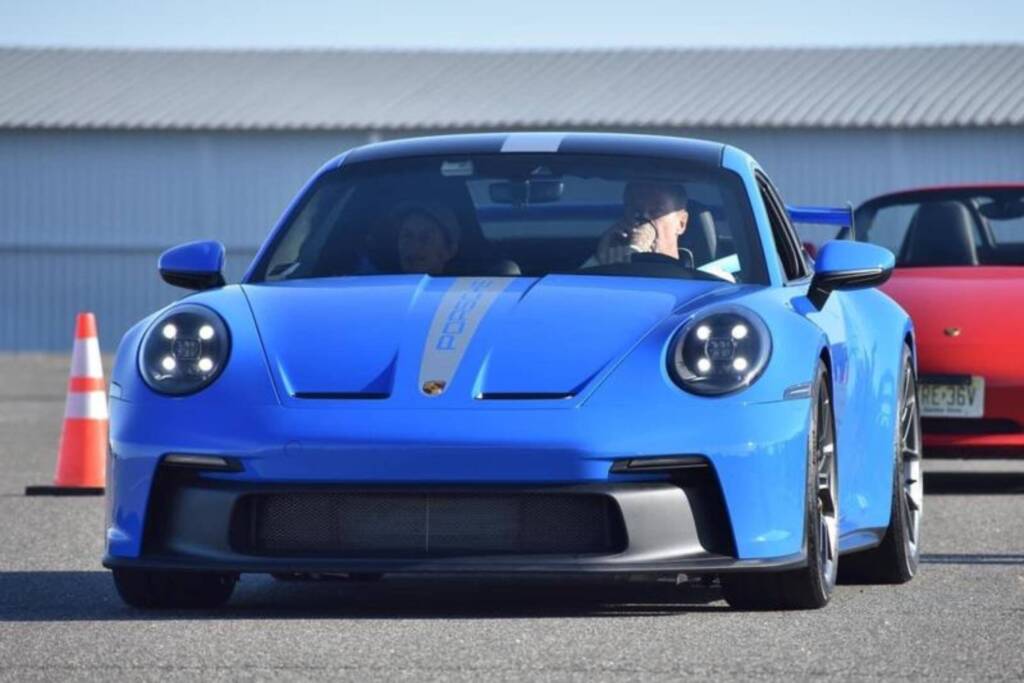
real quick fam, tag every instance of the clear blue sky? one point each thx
(515, 23)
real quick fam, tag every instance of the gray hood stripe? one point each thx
(455, 322)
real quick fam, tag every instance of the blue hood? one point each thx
(371, 337)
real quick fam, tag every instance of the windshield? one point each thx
(953, 228)
(520, 214)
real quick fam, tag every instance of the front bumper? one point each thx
(200, 523)
(760, 468)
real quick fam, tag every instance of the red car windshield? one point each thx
(956, 227)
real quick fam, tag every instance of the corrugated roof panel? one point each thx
(997, 98)
(907, 87)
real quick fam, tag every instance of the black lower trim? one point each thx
(678, 524)
(969, 426)
(709, 564)
(973, 452)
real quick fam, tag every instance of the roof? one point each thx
(697, 151)
(900, 87)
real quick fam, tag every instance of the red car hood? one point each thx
(968, 320)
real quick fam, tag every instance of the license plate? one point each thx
(952, 396)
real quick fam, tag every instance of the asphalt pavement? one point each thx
(961, 618)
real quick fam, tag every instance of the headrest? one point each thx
(505, 267)
(700, 236)
(940, 234)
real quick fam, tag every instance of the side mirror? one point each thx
(195, 265)
(842, 264)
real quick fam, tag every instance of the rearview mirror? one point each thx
(526, 191)
(1005, 210)
(195, 265)
(844, 265)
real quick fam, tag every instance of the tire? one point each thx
(896, 558)
(809, 587)
(149, 589)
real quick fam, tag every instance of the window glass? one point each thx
(889, 226)
(956, 227)
(790, 255)
(521, 214)
(1008, 230)
(816, 235)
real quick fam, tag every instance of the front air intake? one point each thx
(445, 524)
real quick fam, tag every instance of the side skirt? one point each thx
(861, 539)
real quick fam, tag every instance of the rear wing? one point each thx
(825, 215)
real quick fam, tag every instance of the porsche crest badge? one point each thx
(433, 387)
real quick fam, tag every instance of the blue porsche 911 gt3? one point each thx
(532, 352)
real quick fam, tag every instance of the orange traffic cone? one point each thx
(81, 461)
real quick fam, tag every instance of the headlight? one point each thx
(184, 350)
(720, 351)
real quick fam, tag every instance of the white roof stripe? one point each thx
(532, 142)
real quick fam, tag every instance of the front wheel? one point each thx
(154, 589)
(809, 587)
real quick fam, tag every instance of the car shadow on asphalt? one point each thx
(973, 483)
(90, 596)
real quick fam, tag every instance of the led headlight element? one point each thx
(184, 351)
(720, 351)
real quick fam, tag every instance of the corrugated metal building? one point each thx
(108, 157)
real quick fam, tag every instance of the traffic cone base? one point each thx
(63, 490)
(82, 436)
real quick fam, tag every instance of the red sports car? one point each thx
(960, 274)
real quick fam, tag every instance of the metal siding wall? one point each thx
(83, 215)
(836, 166)
(42, 290)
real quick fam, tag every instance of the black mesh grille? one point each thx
(362, 524)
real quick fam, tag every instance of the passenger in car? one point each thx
(425, 236)
(654, 217)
